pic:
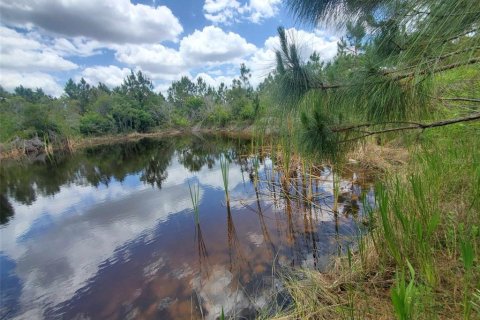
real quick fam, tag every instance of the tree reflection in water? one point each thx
(25, 180)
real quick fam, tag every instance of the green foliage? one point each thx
(384, 73)
(219, 116)
(93, 123)
(195, 198)
(138, 87)
(403, 295)
(37, 120)
(180, 121)
(225, 167)
(134, 106)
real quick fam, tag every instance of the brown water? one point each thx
(109, 232)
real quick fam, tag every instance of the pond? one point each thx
(109, 232)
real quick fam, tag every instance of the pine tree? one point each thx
(382, 77)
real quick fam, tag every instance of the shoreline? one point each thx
(9, 152)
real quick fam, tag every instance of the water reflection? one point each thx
(109, 232)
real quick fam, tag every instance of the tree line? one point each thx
(134, 106)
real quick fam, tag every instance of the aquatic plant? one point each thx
(195, 198)
(403, 295)
(225, 167)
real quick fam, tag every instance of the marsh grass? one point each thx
(195, 198)
(416, 255)
(225, 167)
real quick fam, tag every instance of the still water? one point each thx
(109, 232)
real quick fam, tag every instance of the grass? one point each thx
(420, 256)
(195, 198)
(225, 167)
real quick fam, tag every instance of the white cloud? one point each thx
(206, 47)
(79, 46)
(108, 21)
(214, 80)
(221, 11)
(263, 9)
(213, 45)
(10, 79)
(230, 11)
(263, 61)
(111, 75)
(154, 58)
(21, 51)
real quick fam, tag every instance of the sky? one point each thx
(43, 43)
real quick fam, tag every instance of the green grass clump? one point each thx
(225, 167)
(195, 198)
(420, 256)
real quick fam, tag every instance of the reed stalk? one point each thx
(195, 198)
(225, 167)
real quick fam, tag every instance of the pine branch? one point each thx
(439, 69)
(406, 75)
(412, 126)
(460, 99)
(434, 59)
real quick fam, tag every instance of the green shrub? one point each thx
(180, 121)
(247, 112)
(219, 116)
(37, 120)
(93, 123)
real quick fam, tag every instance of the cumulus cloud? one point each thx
(155, 58)
(10, 79)
(26, 60)
(262, 9)
(214, 80)
(206, 47)
(111, 75)
(230, 11)
(213, 45)
(22, 52)
(117, 21)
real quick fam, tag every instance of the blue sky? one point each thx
(45, 42)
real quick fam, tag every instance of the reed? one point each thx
(195, 198)
(418, 250)
(225, 167)
(403, 295)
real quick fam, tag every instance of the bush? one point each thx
(142, 121)
(93, 123)
(219, 116)
(180, 121)
(130, 118)
(247, 112)
(193, 106)
(37, 120)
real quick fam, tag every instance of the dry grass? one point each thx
(379, 158)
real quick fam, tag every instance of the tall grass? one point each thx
(225, 167)
(195, 198)
(420, 256)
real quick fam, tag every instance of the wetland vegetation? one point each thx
(355, 196)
